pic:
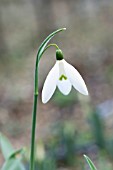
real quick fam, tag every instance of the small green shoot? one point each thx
(90, 163)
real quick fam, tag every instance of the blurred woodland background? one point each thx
(67, 126)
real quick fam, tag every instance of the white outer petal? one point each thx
(64, 86)
(75, 78)
(50, 83)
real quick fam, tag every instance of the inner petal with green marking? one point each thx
(62, 77)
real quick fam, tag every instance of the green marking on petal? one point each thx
(62, 77)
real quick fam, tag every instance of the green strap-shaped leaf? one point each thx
(6, 147)
(13, 164)
(90, 163)
(45, 42)
(18, 153)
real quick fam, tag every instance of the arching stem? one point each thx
(50, 45)
(41, 50)
(32, 156)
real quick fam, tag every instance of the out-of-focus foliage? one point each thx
(63, 101)
(88, 46)
(6, 147)
(12, 157)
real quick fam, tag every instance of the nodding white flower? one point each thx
(63, 75)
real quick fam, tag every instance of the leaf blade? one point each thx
(13, 164)
(90, 163)
(18, 152)
(6, 147)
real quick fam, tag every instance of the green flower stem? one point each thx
(41, 50)
(50, 45)
(32, 156)
(33, 133)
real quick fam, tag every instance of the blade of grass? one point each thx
(90, 163)
(6, 147)
(13, 164)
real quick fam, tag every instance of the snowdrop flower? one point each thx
(63, 75)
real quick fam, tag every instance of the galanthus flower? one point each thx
(63, 75)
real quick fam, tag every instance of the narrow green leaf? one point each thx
(18, 153)
(45, 42)
(13, 164)
(90, 163)
(6, 147)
